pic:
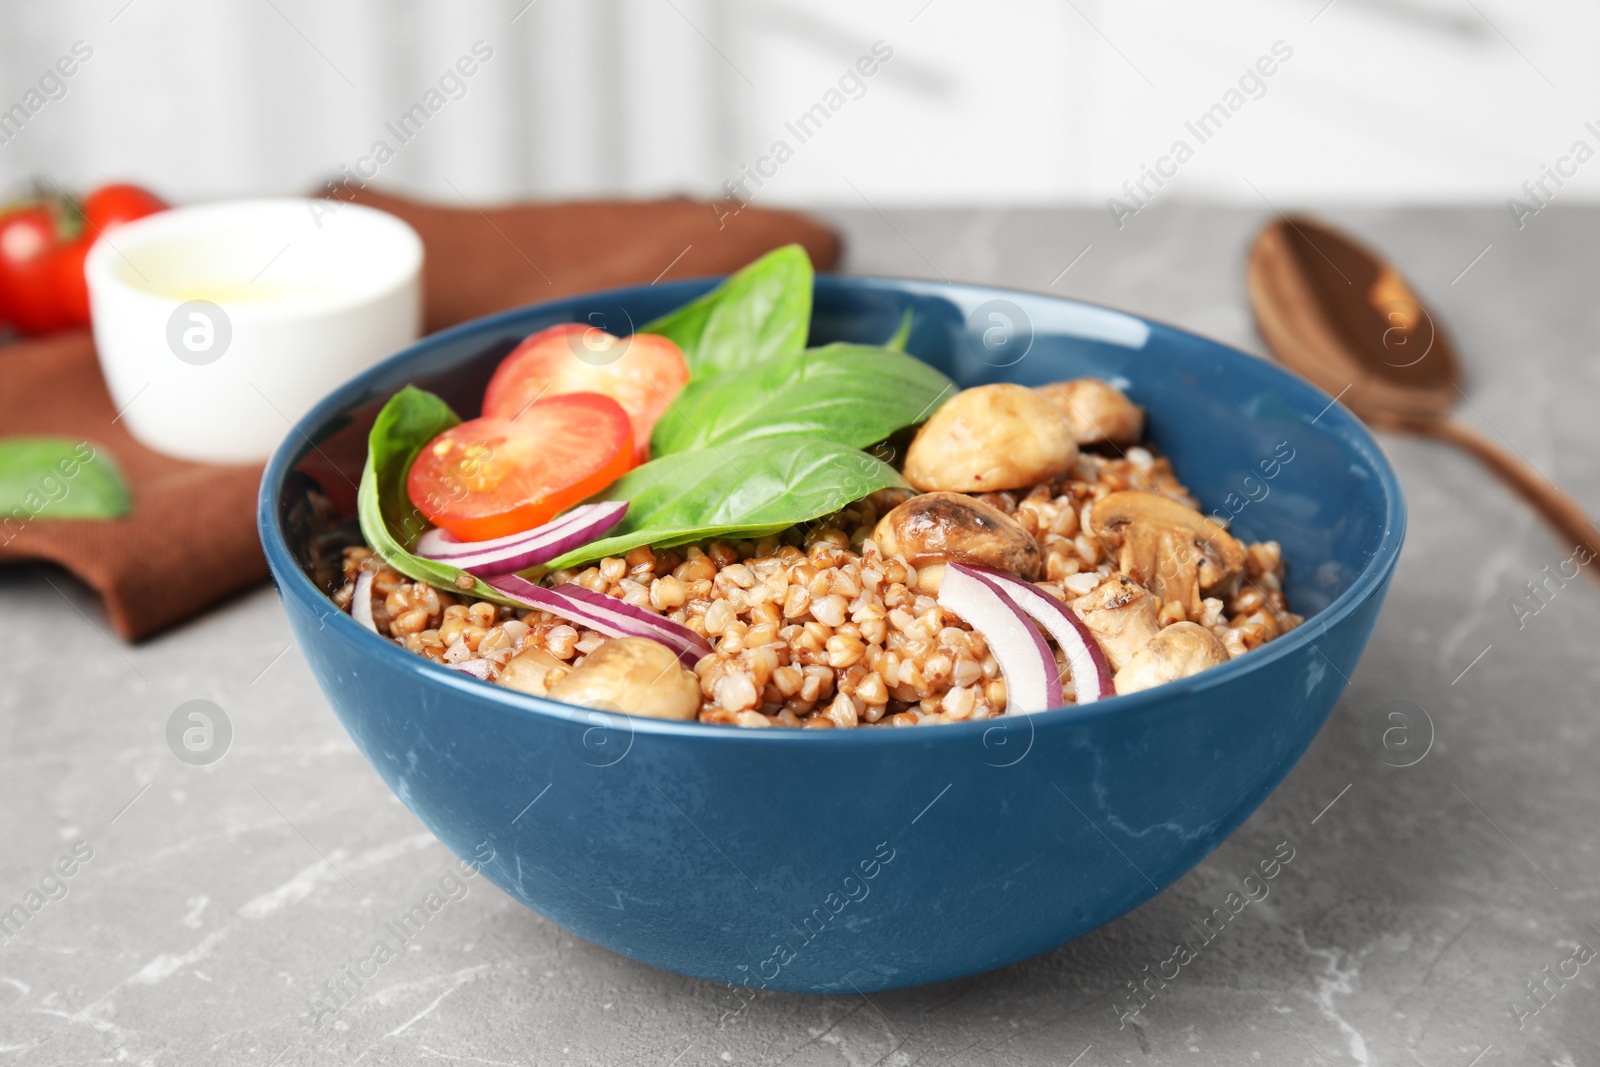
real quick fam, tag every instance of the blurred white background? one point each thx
(1026, 102)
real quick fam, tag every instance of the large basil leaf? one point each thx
(848, 394)
(748, 490)
(59, 478)
(390, 523)
(762, 311)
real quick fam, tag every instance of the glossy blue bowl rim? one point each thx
(292, 581)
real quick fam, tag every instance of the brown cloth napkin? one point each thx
(191, 539)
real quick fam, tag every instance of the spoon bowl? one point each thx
(1336, 313)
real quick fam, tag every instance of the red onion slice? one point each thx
(503, 555)
(605, 614)
(361, 600)
(439, 543)
(478, 668)
(689, 645)
(1091, 671)
(1033, 682)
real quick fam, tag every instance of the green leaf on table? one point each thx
(390, 523)
(762, 311)
(757, 488)
(848, 394)
(59, 478)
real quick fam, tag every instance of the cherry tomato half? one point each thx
(643, 373)
(495, 476)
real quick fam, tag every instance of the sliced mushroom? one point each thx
(533, 670)
(1182, 649)
(1121, 614)
(1097, 411)
(933, 529)
(1172, 550)
(990, 438)
(635, 675)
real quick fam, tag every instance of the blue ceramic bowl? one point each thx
(836, 861)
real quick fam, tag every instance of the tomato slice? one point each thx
(495, 476)
(643, 373)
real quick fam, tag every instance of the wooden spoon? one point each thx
(1336, 313)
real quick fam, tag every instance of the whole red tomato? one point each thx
(112, 205)
(42, 247)
(31, 271)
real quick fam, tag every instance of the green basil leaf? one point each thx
(59, 478)
(762, 311)
(390, 523)
(751, 490)
(848, 394)
(902, 334)
(766, 435)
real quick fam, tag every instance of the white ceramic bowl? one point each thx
(219, 325)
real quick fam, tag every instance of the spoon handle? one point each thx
(1563, 513)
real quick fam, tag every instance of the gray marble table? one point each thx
(1422, 901)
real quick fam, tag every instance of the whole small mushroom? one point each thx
(1122, 615)
(1098, 412)
(990, 438)
(1172, 550)
(635, 675)
(1182, 649)
(933, 529)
